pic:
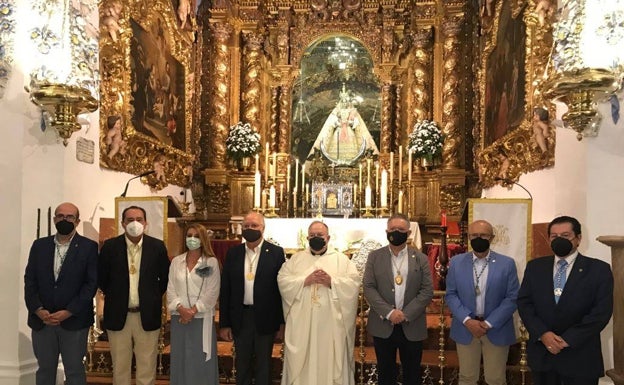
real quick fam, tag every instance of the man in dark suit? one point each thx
(481, 291)
(59, 285)
(398, 287)
(250, 305)
(565, 301)
(133, 270)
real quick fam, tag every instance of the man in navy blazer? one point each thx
(481, 291)
(59, 285)
(250, 304)
(133, 271)
(565, 301)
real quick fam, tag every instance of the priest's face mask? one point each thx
(318, 236)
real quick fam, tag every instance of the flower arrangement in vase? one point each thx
(242, 143)
(426, 140)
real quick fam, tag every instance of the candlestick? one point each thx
(281, 192)
(272, 196)
(400, 203)
(384, 188)
(266, 163)
(368, 171)
(355, 193)
(257, 189)
(257, 159)
(391, 166)
(409, 165)
(303, 185)
(376, 178)
(294, 193)
(443, 218)
(368, 196)
(400, 164)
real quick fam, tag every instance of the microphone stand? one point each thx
(509, 181)
(123, 194)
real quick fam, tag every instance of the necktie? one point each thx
(560, 278)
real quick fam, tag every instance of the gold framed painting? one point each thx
(516, 136)
(147, 68)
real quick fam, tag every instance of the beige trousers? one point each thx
(494, 362)
(145, 346)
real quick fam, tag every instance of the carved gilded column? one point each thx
(251, 87)
(284, 120)
(421, 88)
(397, 113)
(386, 108)
(451, 96)
(220, 93)
(274, 123)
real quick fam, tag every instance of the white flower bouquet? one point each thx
(242, 141)
(426, 140)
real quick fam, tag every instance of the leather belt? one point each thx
(134, 309)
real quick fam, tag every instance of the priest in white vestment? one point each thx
(319, 288)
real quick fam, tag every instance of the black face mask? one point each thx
(396, 237)
(64, 227)
(479, 245)
(317, 243)
(561, 247)
(251, 235)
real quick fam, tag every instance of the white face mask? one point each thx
(193, 243)
(134, 229)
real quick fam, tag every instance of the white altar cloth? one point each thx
(291, 233)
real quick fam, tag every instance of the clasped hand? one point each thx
(53, 319)
(318, 276)
(186, 314)
(554, 343)
(477, 328)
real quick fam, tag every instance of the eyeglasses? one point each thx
(68, 218)
(480, 235)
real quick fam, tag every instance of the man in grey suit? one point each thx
(397, 285)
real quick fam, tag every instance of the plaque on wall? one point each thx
(332, 199)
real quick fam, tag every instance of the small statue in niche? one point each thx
(110, 19)
(282, 47)
(544, 10)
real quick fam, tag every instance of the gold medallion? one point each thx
(250, 276)
(132, 269)
(398, 279)
(477, 290)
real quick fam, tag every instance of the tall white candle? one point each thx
(257, 189)
(303, 185)
(400, 164)
(355, 193)
(257, 159)
(409, 165)
(391, 166)
(266, 163)
(360, 181)
(368, 196)
(288, 178)
(368, 171)
(377, 179)
(272, 196)
(400, 203)
(296, 174)
(274, 166)
(384, 188)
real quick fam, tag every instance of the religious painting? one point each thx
(504, 88)
(515, 134)
(336, 102)
(147, 92)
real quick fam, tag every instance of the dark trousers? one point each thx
(554, 378)
(253, 352)
(51, 341)
(410, 353)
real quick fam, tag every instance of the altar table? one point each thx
(291, 233)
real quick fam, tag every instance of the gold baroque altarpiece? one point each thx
(430, 59)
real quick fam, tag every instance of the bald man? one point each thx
(59, 285)
(481, 291)
(250, 304)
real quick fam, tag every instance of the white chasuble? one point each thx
(320, 321)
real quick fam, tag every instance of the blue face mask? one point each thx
(193, 243)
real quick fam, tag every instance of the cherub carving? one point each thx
(184, 11)
(110, 18)
(541, 128)
(544, 10)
